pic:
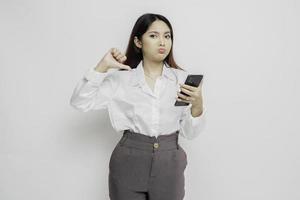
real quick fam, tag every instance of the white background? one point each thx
(248, 52)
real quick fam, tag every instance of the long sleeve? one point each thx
(94, 91)
(191, 127)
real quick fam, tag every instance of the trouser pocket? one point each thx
(182, 155)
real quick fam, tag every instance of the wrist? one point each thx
(196, 111)
(101, 69)
(198, 107)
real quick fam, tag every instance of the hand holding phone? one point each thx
(192, 80)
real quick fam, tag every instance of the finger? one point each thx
(122, 66)
(182, 96)
(123, 59)
(119, 56)
(182, 100)
(125, 66)
(188, 92)
(188, 87)
(113, 51)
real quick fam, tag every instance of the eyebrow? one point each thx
(158, 32)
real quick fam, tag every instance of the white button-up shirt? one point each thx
(133, 105)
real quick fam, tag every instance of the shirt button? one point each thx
(155, 145)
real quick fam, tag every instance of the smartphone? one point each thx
(193, 80)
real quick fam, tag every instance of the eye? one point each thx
(168, 36)
(152, 35)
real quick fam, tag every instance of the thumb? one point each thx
(122, 66)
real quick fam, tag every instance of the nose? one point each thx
(162, 41)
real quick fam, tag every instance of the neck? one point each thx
(153, 68)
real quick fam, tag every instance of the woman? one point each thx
(148, 162)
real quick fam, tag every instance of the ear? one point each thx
(137, 42)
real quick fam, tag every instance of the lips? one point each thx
(161, 50)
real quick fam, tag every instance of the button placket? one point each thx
(155, 146)
(155, 115)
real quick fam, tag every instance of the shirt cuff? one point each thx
(199, 123)
(94, 76)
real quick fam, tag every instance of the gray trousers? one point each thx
(147, 168)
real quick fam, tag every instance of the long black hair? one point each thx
(134, 55)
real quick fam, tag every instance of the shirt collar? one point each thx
(139, 78)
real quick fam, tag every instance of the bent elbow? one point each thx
(80, 106)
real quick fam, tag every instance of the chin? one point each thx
(159, 60)
(161, 57)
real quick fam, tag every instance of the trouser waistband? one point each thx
(142, 141)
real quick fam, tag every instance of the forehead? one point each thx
(159, 26)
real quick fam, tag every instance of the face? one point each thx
(158, 36)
